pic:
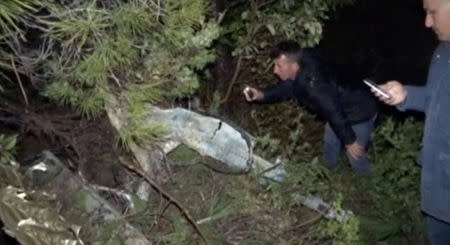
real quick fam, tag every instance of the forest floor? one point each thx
(239, 209)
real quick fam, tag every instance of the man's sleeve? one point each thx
(417, 99)
(276, 93)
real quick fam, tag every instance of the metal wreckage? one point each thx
(232, 147)
(34, 202)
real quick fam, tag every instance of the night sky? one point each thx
(382, 39)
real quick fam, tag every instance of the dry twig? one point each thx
(19, 81)
(233, 80)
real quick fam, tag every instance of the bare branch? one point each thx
(19, 81)
(233, 80)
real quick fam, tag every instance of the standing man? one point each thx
(348, 109)
(434, 100)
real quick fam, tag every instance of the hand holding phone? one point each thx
(377, 89)
(252, 94)
(249, 93)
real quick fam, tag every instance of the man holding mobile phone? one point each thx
(348, 109)
(434, 100)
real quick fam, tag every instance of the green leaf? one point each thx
(271, 29)
(10, 142)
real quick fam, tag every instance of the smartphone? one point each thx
(375, 87)
(250, 93)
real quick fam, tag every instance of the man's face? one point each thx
(285, 68)
(438, 17)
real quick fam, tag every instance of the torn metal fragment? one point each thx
(233, 148)
(207, 135)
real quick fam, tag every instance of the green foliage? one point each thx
(12, 13)
(91, 103)
(138, 51)
(181, 234)
(138, 129)
(107, 56)
(113, 241)
(141, 133)
(395, 185)
(267, 144)
(107, 232)
(289, 145)
(63, 93)
(344, 232)
(253, 25)
(97, 48)
(221, 207)
(307, 177)
(76, 28)
(134, 20)
(393, 212)
(137, 96)
(7, 148)
(306, 174)
(183, 13)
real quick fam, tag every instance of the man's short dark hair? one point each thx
(291, 49)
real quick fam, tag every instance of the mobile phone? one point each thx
(250, 93)
(375, 87)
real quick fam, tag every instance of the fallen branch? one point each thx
(303, 224)
(166, 195)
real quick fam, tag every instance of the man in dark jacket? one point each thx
(348, 108)
(434, 100)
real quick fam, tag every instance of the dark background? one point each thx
(382, 39)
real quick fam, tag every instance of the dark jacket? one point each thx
(434, 100)
(335, 97)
